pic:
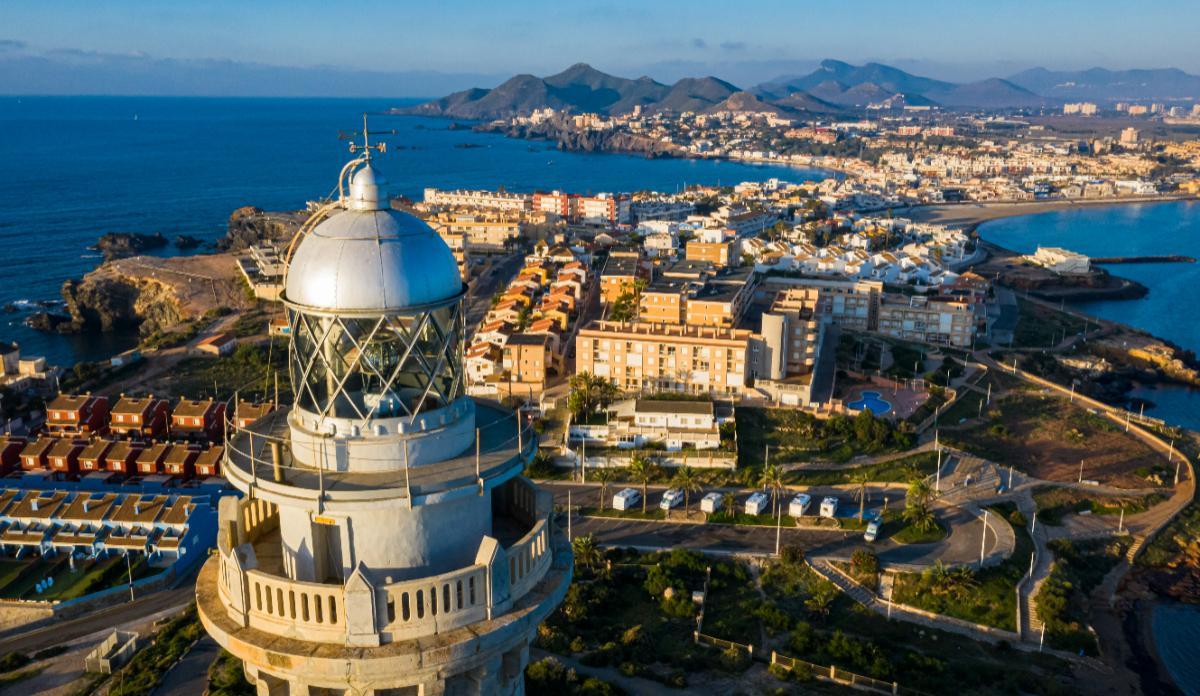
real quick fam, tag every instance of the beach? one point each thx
(972, 214)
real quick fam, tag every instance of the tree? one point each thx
(588, 392)
(821, 600)
(919, 514)
(587, 554)
(604, 476)
(771, 479)
(687, 479)
(919, 491)
(860, 479)
(729, 505)
(643, 471)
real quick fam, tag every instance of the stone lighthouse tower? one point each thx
(385, 541)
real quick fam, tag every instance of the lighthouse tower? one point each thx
(385, 541)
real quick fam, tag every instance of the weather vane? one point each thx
(367, 147)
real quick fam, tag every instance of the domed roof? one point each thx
(371, 258)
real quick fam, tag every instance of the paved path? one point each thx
(190, 676)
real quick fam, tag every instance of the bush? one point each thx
(13, 660)
(734, 659)
(792, 554)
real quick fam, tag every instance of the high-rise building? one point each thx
(1129, 136)
(385, 542)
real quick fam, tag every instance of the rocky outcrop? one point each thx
(574, 139)
(115, 245)
(107, 300)
(249, 226)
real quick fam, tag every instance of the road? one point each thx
(961, 546)
(497, 274)
(121, 613)
(190, 676)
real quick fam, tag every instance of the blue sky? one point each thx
(740, 41)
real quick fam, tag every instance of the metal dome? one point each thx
(371, 260)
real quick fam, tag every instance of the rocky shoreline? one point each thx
(573, 139)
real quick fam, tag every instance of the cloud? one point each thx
(733, 45)
(12, 45)
(699, 43)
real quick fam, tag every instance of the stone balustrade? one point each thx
(362, 613)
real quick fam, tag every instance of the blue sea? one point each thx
(74, 168)
(1171, 308)
(1177, 637)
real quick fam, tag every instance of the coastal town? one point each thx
(809, 432)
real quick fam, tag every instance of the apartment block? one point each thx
(940, 320)
(664, 357)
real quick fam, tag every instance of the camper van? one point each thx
(799, 505)
(829, 507)
(872, 531)
(711, 502)
(626, 499)
(756, 504)
(671, 499)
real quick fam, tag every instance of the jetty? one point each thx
(1171, 258)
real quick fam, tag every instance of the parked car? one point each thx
(756, 504)
(829, 507)
(872, 530)
(711, 502)
(626, 499)
(799, 505)
(671, 499)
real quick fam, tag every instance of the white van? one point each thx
(872, 531)
(711, 502)
(756, 504)
(829, 507)
(671, 499)
(799, 505)
(626, 499)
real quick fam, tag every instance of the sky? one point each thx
(398, 47)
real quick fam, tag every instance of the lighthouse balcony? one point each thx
(254, 593)
(260, 460)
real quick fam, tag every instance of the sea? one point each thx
(74, 168)
(1177, 638)
(1172, 307)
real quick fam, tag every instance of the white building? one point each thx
(1061, 260)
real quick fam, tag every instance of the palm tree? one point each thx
(919, 515)
(772, 478)
(587, 554)
(729, 502)
(860, 480)
(642, 470)
(604, 476)
(919, 491)
(687, 479)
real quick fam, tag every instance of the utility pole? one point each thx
(569, 537)
(937, 481)
(778, 527)
(1081, 471)
(129, 568)
(1010, 475)
(983, 541)
(1121, 522)
(1072, 392)
(1033, 527)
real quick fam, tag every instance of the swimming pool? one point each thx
(870, 400)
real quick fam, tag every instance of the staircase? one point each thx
(852, 589)
(1136, 546)
(966, 478)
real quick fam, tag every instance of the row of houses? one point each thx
(77, 456)
(200, 420)
(46, 522)
(522, 343)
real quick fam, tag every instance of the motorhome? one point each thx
(872, 531)
(711, 502)
(829, 507)
(756, 504)
(671, 499)
(626, 499)
(799, 505)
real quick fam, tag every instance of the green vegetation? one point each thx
(181, 334)
(251, 370)
(1062, 602)
(1054, 503)
(589, 393)
(637, 615)
(147, 668)
(986, 597)
(11, 679)
(896, 528)
(937, 399)
(897, 470)
(799, 436)
(647, 514)
(548, 677)
(19, 578)
(906, 361)
(1039, 326)
(226, 677)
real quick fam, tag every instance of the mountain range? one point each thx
(834, 87)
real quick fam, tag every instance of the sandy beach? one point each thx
(972, 214)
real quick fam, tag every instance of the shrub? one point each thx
(734, 659)
(792, 554)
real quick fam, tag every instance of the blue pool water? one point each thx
(870, 400)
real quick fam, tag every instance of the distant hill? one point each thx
(1098, 84)
(834, 87)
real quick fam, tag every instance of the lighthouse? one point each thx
(385, 541)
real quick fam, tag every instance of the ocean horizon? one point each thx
(181, 165)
